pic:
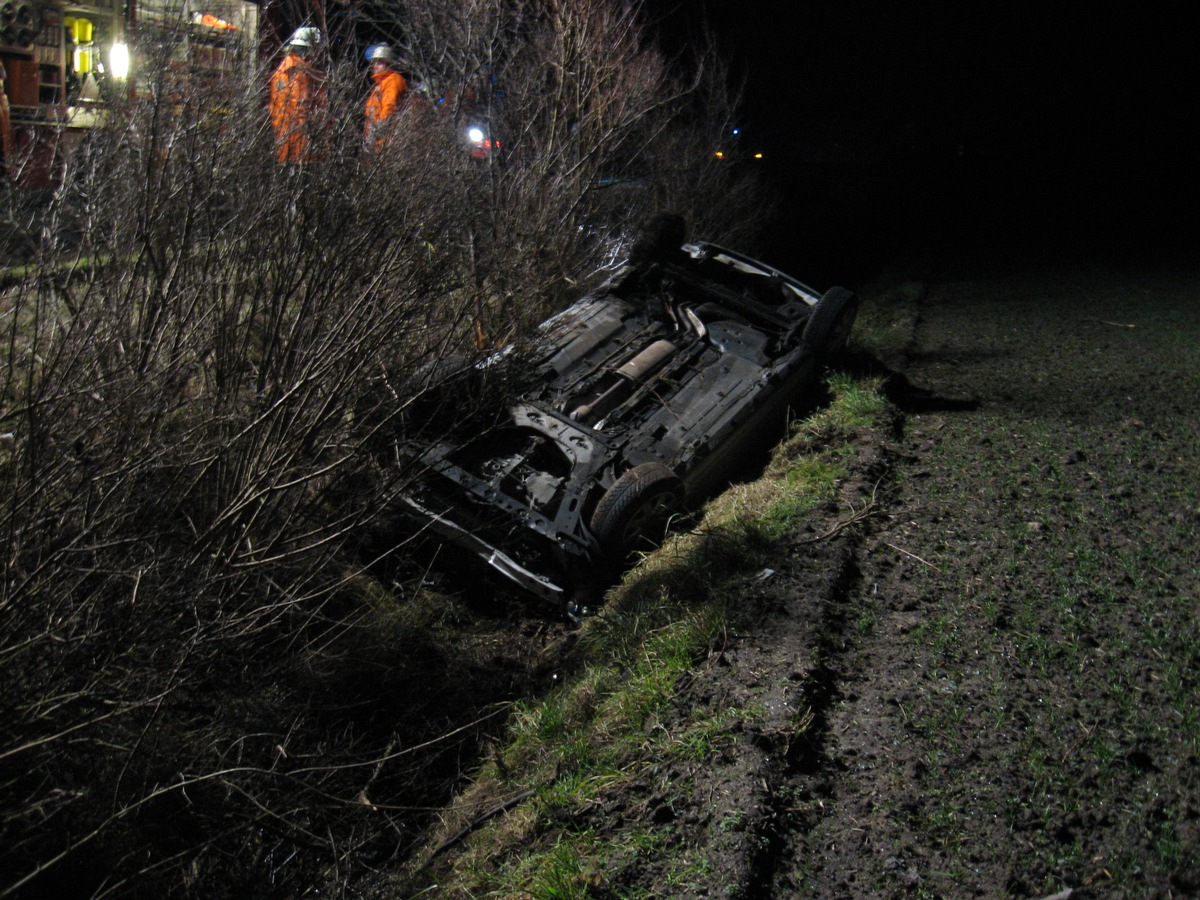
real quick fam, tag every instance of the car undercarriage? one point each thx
(635, 402)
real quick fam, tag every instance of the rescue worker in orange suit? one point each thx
(298, 100)
(5, 128)
(387, 95)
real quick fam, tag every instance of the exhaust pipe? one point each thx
(629, 376)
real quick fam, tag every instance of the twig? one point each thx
(1087, 733)
(857, 515)
(1107, 322)
(913, 555)
(477, 822)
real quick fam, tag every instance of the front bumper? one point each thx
(538, 585)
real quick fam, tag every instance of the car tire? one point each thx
(634, 513)
(828, 328)
(659, 240)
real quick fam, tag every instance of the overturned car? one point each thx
(632, 404)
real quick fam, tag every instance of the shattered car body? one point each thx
(637, 401)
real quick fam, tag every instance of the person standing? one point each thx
(298, 100)
(387, 95)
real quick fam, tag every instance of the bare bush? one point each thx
(202, 347)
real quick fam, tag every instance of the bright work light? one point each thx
(118, 60)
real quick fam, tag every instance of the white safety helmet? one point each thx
(382, 53)
(305, 36)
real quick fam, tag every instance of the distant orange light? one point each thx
(758, 156)
(719, 155)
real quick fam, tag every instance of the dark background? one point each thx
(895, 129)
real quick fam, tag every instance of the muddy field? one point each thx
(975, 674)
(1000, 667)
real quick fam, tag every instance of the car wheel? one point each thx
(634, 513)
(828, 328)
(659, 240)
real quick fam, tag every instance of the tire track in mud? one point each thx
(802, 780)
(829, 624)
(782, 674)
(818, 839)
(810, 646)
(847, 630)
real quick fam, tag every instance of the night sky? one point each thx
(891, 124)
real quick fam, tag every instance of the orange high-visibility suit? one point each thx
(383, 102)
(298, 101)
